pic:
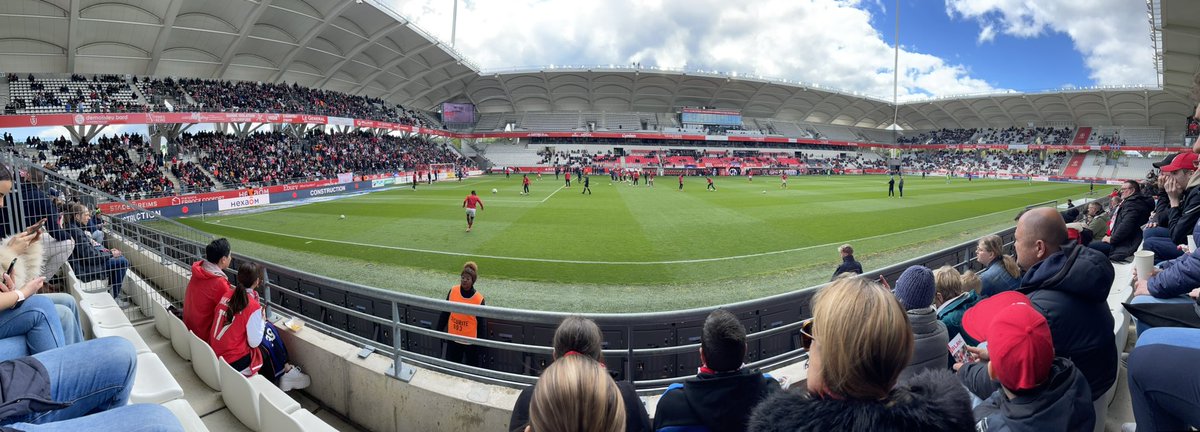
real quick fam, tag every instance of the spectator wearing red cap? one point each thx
(1069, 285)
(1038, 390)
(1179, 182)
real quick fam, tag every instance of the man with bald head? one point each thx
(1069, 285)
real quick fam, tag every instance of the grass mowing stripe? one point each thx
(563, 261)
(653, 236)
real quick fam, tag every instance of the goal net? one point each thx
(445, 171)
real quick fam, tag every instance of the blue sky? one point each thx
(949, 47)
(957, 40)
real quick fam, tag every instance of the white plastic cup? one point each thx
(1143, 261)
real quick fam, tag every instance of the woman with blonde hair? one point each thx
(575, 394)
(577, 336)
(1000, 272)
(858, 342)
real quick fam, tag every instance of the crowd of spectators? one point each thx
(274, 158)
(1021, 135)
(107, 165)
(99, 94)
(192, 178)
(158, 90)
(928, 161)
(1109, 140)
(940, 136)
(245, 96)
(987, 161)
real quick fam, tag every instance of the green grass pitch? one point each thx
(627, 248)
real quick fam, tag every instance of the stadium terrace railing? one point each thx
(652, 350)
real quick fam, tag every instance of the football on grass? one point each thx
(494, 190)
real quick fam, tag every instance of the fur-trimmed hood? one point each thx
(930, 401)
(29, 264)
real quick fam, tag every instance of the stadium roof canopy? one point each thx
(343, 45)
(365, 48)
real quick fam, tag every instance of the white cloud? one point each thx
(828, 42)
(1112, 35)
(987, 34)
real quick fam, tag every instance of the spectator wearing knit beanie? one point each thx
(915, 290)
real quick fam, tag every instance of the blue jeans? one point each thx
(37, 320)
(93, 377)
(68, 315)
(1144, 299)
(115, 268)
(1101, 246)
(1156, 232)
(1164, 399)
(129, 418)
(1163, 247)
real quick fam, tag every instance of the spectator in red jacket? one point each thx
(206, 287)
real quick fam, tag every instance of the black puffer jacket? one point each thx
(930, 351)
(720, 402)
(1070, 288)
(930, 402)
(1063, 403)
(1127, 229)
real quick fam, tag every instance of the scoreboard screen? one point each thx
(711, 117)
(458, 113)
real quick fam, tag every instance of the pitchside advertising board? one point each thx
(192, 205)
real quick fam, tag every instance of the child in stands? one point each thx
(242, 337)
(1038, 390)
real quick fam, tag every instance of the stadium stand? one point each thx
(552, 122)
(275, 158)
(623, 121)
(1019, 135)
(833, 132)
(941, 136)
(47, 93)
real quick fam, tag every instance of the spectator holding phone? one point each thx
(22, 314)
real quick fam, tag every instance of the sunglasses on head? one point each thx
(806, 334)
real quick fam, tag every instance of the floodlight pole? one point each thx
(454, 24)
(895, 75)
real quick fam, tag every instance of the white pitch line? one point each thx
(552, 193)
(561, 261)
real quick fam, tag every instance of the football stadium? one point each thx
(369, 215)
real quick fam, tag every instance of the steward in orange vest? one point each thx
(463, 324)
